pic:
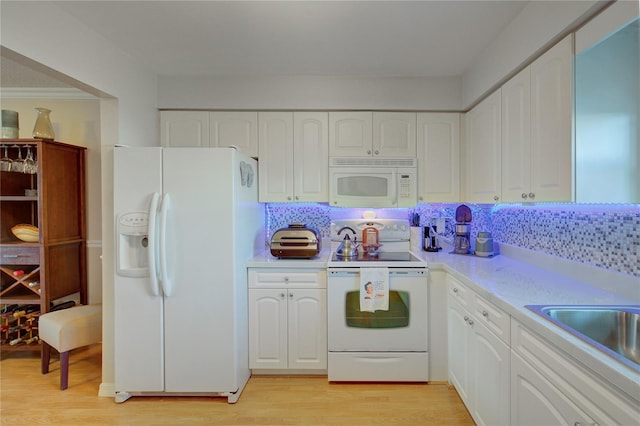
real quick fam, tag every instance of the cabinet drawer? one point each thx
(460, 292)
(15, 255)
(290, 278)
(494, 318)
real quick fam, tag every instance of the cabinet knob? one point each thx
(297, 198)
(369, 151)
(289, 198)
(470, 322)
(496, 198)
(282, 295)
(286, 280)
(466, 318)
(377, 152)
(290, 295)
(485, 314)
(455, 289)
(532, 195)
(421, 198)
(524, 195)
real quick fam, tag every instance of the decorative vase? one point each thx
(43, 128)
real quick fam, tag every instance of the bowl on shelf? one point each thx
(26, 233)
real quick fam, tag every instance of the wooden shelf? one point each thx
(58, 260)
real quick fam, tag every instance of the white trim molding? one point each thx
(44, 93)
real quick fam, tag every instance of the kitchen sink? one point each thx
(614, 330)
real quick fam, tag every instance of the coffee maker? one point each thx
(462, 240)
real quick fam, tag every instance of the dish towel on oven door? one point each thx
(374, 289)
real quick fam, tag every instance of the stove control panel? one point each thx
(388, 229)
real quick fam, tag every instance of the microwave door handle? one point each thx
(394, 187)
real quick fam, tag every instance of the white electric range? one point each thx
(384, 339)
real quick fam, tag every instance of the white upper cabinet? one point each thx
(551, 135)
(438, 157)
(210, 129)
(235, 128)
(377, 134)
(311, 156)
(350, 133)
(483, 144)
(536, 129)
(394, 134)
(516, 138)
(294, 159)
(275, 146)
(184, 128)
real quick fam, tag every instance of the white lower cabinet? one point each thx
(287, 319)
(479, 366)
(550, 388)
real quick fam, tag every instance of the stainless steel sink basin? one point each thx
(615, 330)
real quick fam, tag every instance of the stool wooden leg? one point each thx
(45, 357)
(64, 370)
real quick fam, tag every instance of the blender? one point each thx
(461, 241)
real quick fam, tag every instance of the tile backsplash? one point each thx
(602, 235)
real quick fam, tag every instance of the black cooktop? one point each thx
(388, 256)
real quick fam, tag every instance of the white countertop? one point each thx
(266, 260)
(511, 284)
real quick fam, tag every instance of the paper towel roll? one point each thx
(415, 239)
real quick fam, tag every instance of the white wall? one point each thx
(369, 93)
(49, 36)
(536, 28)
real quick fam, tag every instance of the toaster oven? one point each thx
(295, 241)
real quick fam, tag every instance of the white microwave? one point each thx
(373, 182)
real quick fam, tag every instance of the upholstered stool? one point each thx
(68, 329)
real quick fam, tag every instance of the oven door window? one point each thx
(396, 317)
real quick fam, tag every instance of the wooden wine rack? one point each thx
(19, 327)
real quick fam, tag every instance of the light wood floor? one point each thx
(30, 398)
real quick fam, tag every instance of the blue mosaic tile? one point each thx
(602, 235)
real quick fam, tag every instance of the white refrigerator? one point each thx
(187, 220)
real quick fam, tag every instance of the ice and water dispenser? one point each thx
(132, 244)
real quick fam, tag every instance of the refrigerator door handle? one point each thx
(153, 246)
(164, 276)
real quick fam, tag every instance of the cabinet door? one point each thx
(516, 138)
(483, 176)
(438, 157)
(184, 129)
(276, 156)
(237, 128)
(551, 103)
(267, 328)
(536, 401)
(394, 134)
(490, 375)
(307, 311)
(350, 133)
(311, 156)
(458, 348)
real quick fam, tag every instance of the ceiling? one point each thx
(288, 38)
